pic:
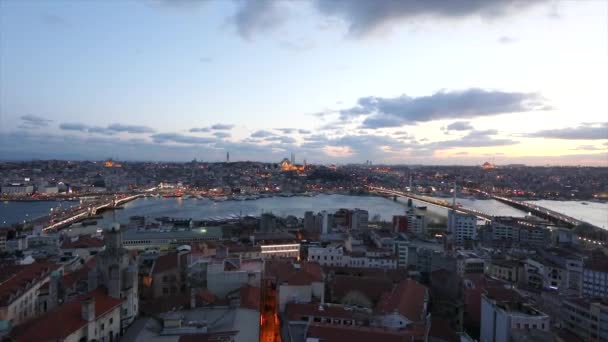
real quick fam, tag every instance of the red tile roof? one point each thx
(206, 296)
(16, 278)
(340, 333)
(285, 271)
(70, 279)
(83, 241)
(168, 262)
(373, 288)
(408, 298)
(295, 311)
(441, 329)
(250, 297)
(64, 320)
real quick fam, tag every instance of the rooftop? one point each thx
(408, 298)
(16, 278)
(64, 320)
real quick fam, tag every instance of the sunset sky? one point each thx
(340, 81)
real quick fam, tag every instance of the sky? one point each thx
(333, 81)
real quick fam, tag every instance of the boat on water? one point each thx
(220, 198)
(585, 203)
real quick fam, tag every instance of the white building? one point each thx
(95, 317)
(336, 255)
(416, 223)
(499, 318)
(21, 288)
(17, 189)
(461, 227)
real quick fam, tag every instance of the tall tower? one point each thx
(293, 158)
(227, 157)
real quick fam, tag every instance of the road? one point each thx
(270, 330)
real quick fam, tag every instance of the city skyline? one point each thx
(342, 81)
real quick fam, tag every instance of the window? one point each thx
(111, 320)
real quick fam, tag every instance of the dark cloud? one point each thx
(304, 131)
(258, 16)
(473, 139)
(222, 127)
(364, 16)
(459, 126)
(130, 128)
(402, 110)
(180, 139)
(33, 121)
(281, 139)
(200, 130)
(262, 134)
(74, 127)
(286, 130)
(110, 130)
(221, 135)
(584, 132)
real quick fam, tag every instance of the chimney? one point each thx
(87, 309)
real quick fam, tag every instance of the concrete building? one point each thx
(403, 307)
(19, 290)
(294, 282)
(461, 227)
(117, 271)
(359, 219)
(499, 317)
(586, 318)
(167, 239)
(17, 189)
(309, 222)
(268, 223)
(3, 240)
(508, 270)
(229, 275)
(92, 317)
(595, 277)
(400, 224)
(469, 263)
(168, 275)
(516, 231)
(416, 222)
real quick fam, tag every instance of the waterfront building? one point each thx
(359, 219)
(17, 189)
(169, 239)
(461, 227)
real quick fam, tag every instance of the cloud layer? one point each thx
(402, 110)
(584, 132)
(364, 16)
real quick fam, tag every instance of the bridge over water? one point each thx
(432, 201)
(536, 210)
